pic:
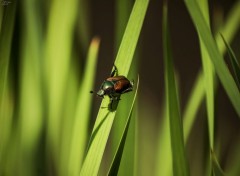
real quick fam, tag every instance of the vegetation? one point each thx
(48, 66)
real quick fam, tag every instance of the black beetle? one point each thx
(114, 86)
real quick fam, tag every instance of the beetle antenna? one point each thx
(91, 91)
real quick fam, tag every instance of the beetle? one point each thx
(114, 86)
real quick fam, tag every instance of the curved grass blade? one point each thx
(105, 117)
(209, 75)
(56, 66)
(217, 170)
(229, 30)
(216, 58)
(117, 158)
(164, 159)
(80, 128)
(234, 63)
(180, 166)
(6, 33)
(31, 94)
(7, 19)
(123, 10)
(195, 99)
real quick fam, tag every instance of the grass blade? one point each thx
(234, 63)
(180, 166)
(105, 117)
(7, 19)
(31, 95)
(164, 159)
(216, 58)
(208, 73)
(117, 158)
(217, 170)
(6, 33)
(195, 99)
(229, 30)
(80, 128)
(123, 10)
(56, 64)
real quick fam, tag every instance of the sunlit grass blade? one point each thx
(128, 161)
(216, 58)
(118, 156)
(229, 30)
(195, 99)
(164, 159)
(131, 35)
(57, 58)
(123, 9)
(234, 63)
(105, 117)
(230, 27)
(122, 13)
(208, 73)
(82, 116)
(180, 166)
(72, 90)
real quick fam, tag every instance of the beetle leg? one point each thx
(114, 72)
(130, 88)
(127, 90)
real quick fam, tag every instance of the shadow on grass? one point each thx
(95, 132)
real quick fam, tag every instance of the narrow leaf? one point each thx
(229, 30)
(217, 170)
(208, 73)
(117, 158)
(234, 63)
(215, 56)
(82, 116)
(180, 166)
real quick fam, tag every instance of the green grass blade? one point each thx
(164, 159)
(197, 94)
(208, 73)
(7, 18)
(118, 156)
(131, 35)
(123, 10)
(234, 63)
(31, 97)
(216, 58)
(105, 118)
(230, 28)
(195, 99)
(7, 21)
(217, 170)
(180, 166)
(82, 116)
(58, 52)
